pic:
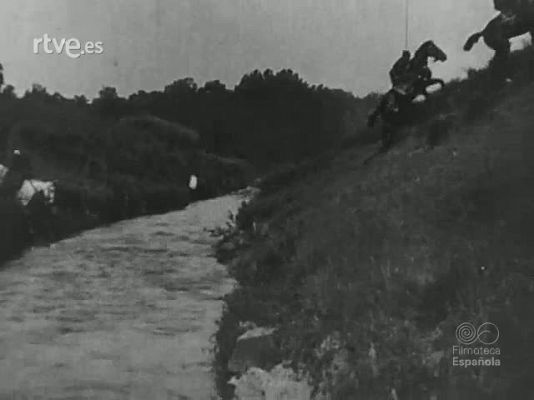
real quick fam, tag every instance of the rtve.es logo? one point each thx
(72, 47)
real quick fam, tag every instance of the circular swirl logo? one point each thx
(466, 333)
(487, 333)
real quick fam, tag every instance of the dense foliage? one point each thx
(268, 118)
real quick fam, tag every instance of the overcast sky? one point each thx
(347, 44)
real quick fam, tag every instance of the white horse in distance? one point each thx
(30, 187)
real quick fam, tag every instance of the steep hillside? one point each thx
(367, 271)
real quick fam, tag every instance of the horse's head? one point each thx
(428, 50)
(433, 51)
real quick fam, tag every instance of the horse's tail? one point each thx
(473, 39)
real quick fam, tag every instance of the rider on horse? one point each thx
(402, 75)
(411, 76)
(400, 68)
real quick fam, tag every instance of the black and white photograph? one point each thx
(267, 200)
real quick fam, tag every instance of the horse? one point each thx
(38, 200)
(419, 68)
(499, 31)
(32, 187)
(393, 106)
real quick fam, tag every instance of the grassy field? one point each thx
(394, 255)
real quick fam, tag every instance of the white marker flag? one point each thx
(193, 182)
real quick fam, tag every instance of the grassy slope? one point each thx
(391, 253)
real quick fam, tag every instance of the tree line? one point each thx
(267, 118)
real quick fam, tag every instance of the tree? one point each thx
(9, 92)
(109, 103)
(38, 91)
(213, 87)
(186, 86)
(108, 93)
(81, 100)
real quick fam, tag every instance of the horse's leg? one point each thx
(502, 56)
(428, 83)
(419, 88)
(378, 111)
(50, 231)
(423, 91)
(435, 81)
(498, 42)
(387, 137)
(371, 120)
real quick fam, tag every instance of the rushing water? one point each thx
(122, 312)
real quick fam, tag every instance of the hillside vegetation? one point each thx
(345, 259)
(268, 118)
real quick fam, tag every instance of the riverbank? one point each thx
(86, 201)
(18, 231)
(363, 273)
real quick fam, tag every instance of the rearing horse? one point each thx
(393, 105)
(500, 30)
(419, 68)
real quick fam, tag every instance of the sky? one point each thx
(346, 44)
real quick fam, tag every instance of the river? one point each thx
(126, 311)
